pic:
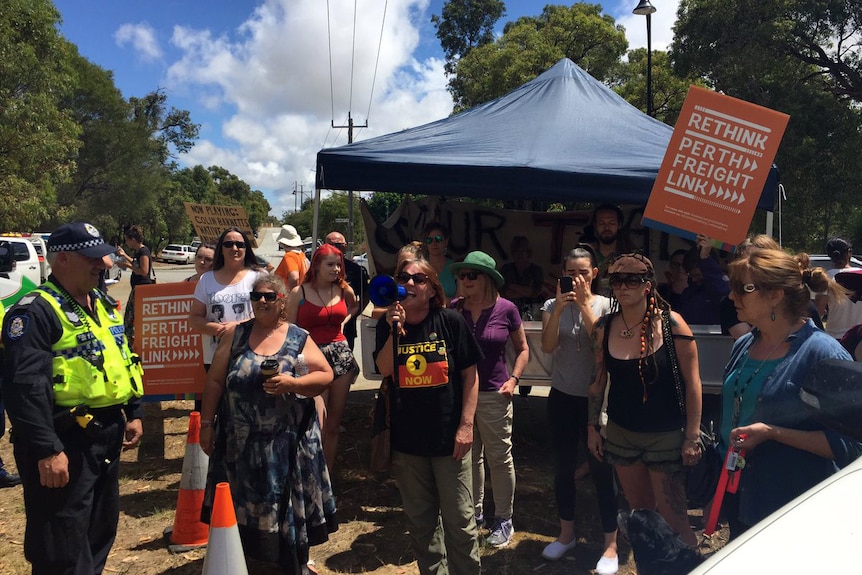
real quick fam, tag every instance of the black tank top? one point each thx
(626, 406)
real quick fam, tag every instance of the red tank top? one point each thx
(322, 323)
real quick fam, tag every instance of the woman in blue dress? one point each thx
(265, 441)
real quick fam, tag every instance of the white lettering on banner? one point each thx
(716, 159)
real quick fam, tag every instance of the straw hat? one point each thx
(289, 237)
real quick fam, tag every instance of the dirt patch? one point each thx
(372, 535)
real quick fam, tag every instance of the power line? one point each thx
(329, 42)
(352, 57)
(377, 60)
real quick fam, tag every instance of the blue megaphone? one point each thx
(383, 291)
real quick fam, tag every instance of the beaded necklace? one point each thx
(644, 324)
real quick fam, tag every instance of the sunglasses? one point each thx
(471, 275)
(269, 296)
(232, 244)
(630, 282)
(340, 247)
(434, 239)
(740, 288)
(418, 278)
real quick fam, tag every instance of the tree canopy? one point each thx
(532, 44)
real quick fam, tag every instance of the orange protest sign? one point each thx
(170, 350)
(715, 167)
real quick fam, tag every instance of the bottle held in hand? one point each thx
(300, 368)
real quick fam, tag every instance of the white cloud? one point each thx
(662, 23)
(142, 38)
(270, 82)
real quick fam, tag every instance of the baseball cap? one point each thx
(79, 237)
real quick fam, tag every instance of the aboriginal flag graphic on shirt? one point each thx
(422, 365)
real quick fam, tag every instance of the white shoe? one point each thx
(555, 551)
(608, 565)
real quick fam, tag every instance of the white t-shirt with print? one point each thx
(225, 303)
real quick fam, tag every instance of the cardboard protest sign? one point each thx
(715, 167)
(210, 221)
(170, 350)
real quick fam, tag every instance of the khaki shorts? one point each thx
(659, 450)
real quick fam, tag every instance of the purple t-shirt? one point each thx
(492, 330)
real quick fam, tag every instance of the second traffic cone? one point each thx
(224, 550)
(188, 531)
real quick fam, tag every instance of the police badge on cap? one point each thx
(79, 237)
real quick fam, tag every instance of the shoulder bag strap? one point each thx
(670, 346)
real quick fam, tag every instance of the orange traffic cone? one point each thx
(224, 550)
(188, 531)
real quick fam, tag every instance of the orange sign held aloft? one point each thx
(715, 167)
(171, 351)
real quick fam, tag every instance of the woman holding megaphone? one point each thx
(433, 390)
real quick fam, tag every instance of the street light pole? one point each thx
(645, 8)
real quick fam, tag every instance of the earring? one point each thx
(772, 317)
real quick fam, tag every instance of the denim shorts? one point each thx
(657, 450)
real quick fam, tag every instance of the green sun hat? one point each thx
(482, 262)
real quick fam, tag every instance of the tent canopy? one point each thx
(563, 136)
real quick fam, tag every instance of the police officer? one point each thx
(72, 390)
(7, 478)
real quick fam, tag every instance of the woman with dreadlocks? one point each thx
(652, 432)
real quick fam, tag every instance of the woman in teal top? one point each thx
(436, 238)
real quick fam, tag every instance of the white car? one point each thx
(27, 261)
(823, 261)
(177, 253)
(814, 533)
(41, 250)
(362, 259)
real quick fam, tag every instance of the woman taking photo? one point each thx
(268, 443)
(432, 397)
(221, 296)
(494, 322)
(322, 304)
(436, 237)
(653, 429)
(141, 266)
(786, 450)
(567, 325)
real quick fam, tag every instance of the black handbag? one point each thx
(701, 480)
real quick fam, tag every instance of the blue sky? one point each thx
(256, 73)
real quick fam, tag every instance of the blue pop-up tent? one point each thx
(563, 136)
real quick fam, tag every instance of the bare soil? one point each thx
(372, 535)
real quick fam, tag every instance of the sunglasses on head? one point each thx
(418, 278)
(268, 297)
(470, 275)
(233, 244)
(630, 282)
(435, 239)
(742, 288)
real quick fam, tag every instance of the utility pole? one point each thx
(349, 127)
(301, 195)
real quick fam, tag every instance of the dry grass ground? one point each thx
(372, 537)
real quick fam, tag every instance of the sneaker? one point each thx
(9, 479)
(555, 550)
(501, 533)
